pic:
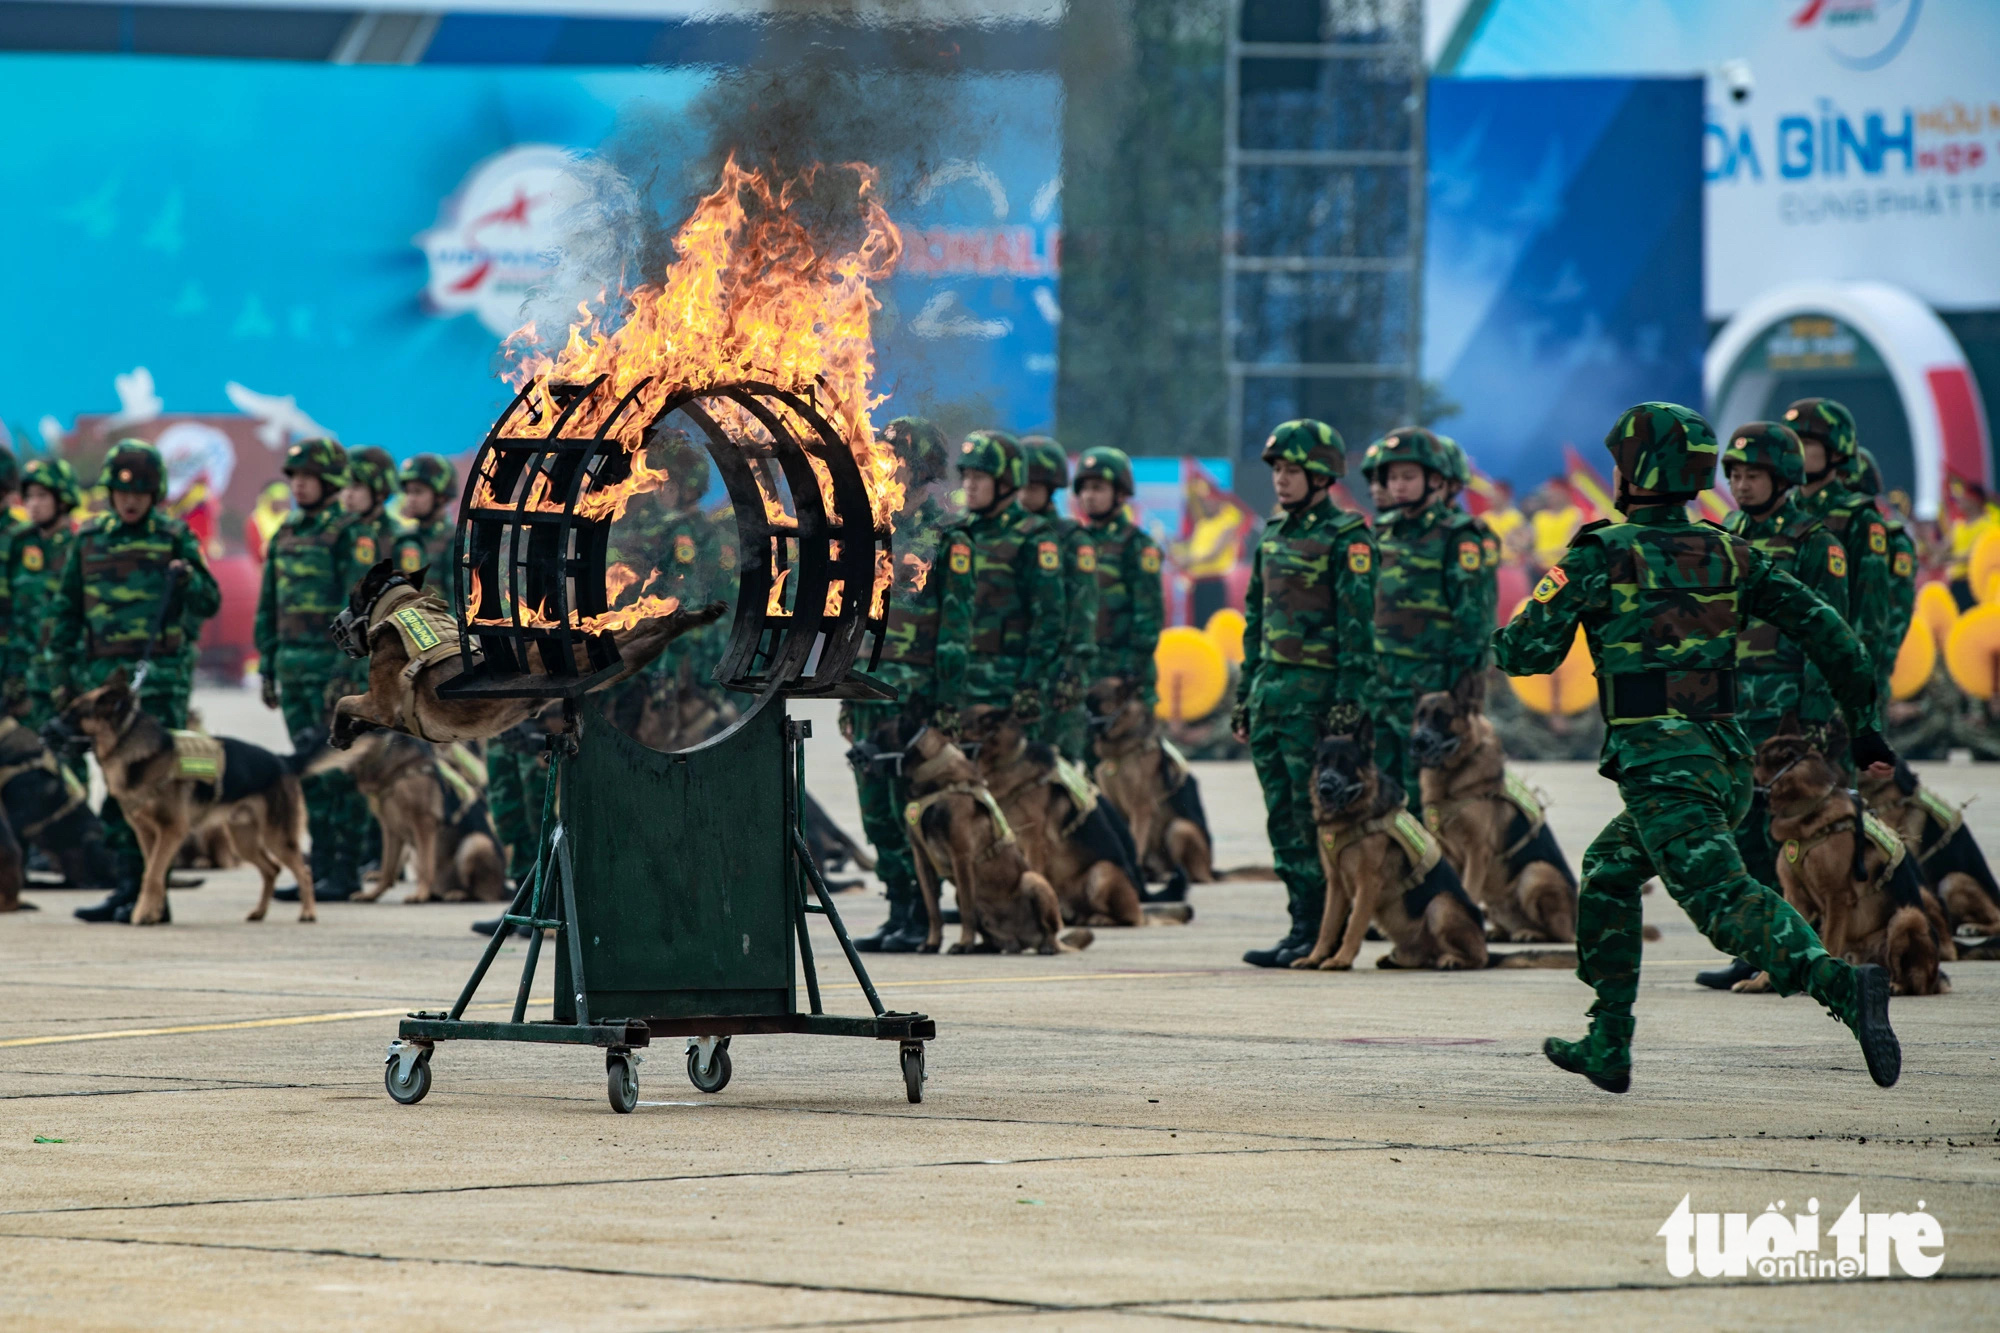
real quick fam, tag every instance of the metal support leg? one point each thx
(833, 919)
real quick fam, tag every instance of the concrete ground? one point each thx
(194, 1133)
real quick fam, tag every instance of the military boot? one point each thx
(892, 928)
(1859, 997)
(1722, 978)
(122, 897)
(916, 930)
(1298, 941)
(1604, 1057)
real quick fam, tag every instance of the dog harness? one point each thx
(1420, 849)
(27, 752)
(1439, 814)
(913, 813)
(429, 632)
(1873, 829)
(199, 756)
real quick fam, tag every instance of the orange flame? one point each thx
(623, 617)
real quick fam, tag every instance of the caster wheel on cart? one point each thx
(717, 1076)
(408, 1084)
(621, 1082)
(913, 1070)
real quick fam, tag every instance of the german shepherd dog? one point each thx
(46, 809)
(1069, 839)
(1367, 838)
(1506, 857)
(257, 799)
(423, 812)
(1866, 899)
(1160, 799)
(959, 833)
(1947, 855)
(413, 706)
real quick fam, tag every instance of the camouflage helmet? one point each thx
(58, 478)
(320, 458)
(1829, 423)
(10, 470)
(134, 466)
(371, 466)
(1664, 447)
(1457, 468)
(1768, 444)
(1045, 461)
(1412, 444)
(1104, 463)
(995, 452)
(1313, 445)
(1371, 460)
(430, 470)
(686, 463)
(1863, 474)
(921, 446)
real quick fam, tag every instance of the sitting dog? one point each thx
(1142, 775)
(1491, 826)
(1847, 873)
(958, 832)
(1947, 856)
(407, 700)
(670, 711)
(429, 804)
(172, 783)
(47, 808)
(1062, 826)
(1383, 866)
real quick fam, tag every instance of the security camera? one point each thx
(1736, 75)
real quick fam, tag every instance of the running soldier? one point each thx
(1663, 602)
(314, 559)
(909, 651)
(1067, 726)
(1432, 612)
(134, 585)
(1130, 603)
(1308, 657)
(31, 573)
(1001, 628)
(428, 484)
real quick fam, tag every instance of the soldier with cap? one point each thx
(1433, 611)
(1130, 603)
(31, 571)
(135, 584)
(1067, 724)
(909, 652)
(428, 484)
(1001, 625)
(1826, 430)
(1663, 602)
(1308, 657)
(310, 568)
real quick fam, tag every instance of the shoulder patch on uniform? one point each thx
(1086, 559)
(31, 558)
(412, 561)
(364, 550)
(1903, 565)
(1149, 559)
(1552, 583)
(1359, 558)
(1048, 555)
(1836, 562)
(683, 549)
(961, 558)
(1878, 538)
(1471, 558)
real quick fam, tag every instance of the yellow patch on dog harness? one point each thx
(199, 756)
(416, 631)
(1420, 849)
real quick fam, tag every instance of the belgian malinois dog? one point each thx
(1947, 856)
(1492, 829)
(1160, 798)
(255, 798)
(958, 832)
(1859, 889)
(1382, 866)
(437, 817)
(1067, 836)
(412, 706)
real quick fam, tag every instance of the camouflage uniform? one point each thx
(1459, 475)
(374, 531)
(1852, 519)
(1067, 725)
(1662, 601)
(517, 775)
(31, 572)
(102, 615)
(426, 543)
(1863, 476)
(1433, 604)
(1307, 652)
(1130, 603)
(1001, 627)
(677, 552)
(909, 650)
(314, 559)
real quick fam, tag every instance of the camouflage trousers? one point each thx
(517, 775)
(1286, 707)
(882, 800)
(1394, 712)
(337, 816)
(1677, 823)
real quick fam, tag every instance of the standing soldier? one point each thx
(1826, 429)
(909, 649)
(1458, 475)
(1432, 618)
(428, 483)
(314, 558)
(1307, 657)
(1130, 602)
(371, 476)
(1067, 726)
(134, 582)
(1001, 627)
(1863, 476)
(1663, 601)
(31, 572)
(10, 492)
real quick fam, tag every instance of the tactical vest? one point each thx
(1668, 646)
(910, 634)
(308, 584)
(1762, 646)
(1412, 609)
(997, 555)
(1114, 602)
(119, 566)
(1838, 512)
(1298, 562)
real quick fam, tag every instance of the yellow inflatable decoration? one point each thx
(1193, 674)
(1915, 661)
(1972, 653)
(1937, 609)
(1984, 565)
(1569, 689)
(1226, 628)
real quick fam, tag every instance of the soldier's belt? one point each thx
(168, 643)
(1638, 695)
